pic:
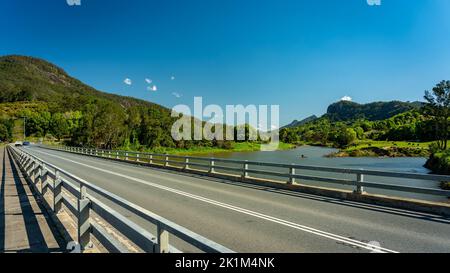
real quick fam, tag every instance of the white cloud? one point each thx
(177, 95)
(153, 88)
(128, 81)
(172, 78)
(346, 98)
(149, 81)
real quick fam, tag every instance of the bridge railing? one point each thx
(76, 195)
(288, 173)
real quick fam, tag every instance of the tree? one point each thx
(359, 132)
(4, 134)
(59, 126)
(102, 125)
(346, 136)
(438, 108)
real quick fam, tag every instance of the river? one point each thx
(315, 156)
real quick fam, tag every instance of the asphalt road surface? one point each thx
(248, 218)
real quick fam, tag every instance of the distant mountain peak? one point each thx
(297, 123)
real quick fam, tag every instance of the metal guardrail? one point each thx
(66, 187)
(287, 171)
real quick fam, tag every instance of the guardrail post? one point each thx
(32, 172)
(96, 152)
(117, 155)
(84, 226)
(163, 240)
(57, 193)
(44, 177)
(291, 172)
(186, 163)
(359, 179)
(245, 170)
(150, 159)
(29, 168)
(166, 163)
(211, 165)
(103, 153)
(109, 154)
(126, 156)
(137, 157)
(37, 178)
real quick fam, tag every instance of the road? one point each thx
(248, 218)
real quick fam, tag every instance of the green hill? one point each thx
(59, 106)
(31, 79)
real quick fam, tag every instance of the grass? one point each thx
(196, 150)
(387, 144)
(373, 148)
(236, 147)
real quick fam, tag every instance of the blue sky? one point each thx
(300, 54)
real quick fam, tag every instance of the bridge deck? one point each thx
(24, 224)
(252, 218)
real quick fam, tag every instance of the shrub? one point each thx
(445, 186)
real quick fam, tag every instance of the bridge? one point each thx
(124, 201)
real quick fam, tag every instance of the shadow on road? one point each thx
(2, 204)
(36, 240)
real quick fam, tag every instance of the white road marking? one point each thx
(307, 229)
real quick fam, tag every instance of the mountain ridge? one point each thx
(374, 111)
(297, 123)
(25, 78)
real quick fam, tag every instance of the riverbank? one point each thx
(439, 163)
(198, 151)
(385, 149)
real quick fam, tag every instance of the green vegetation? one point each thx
(411, 127)
(59, 108)
(371, 148)
(6, 130)
(437, 109)
(445, 186)
(439, 162)
(391, 129)
(202, 150)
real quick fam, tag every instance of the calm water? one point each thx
(315, 156)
